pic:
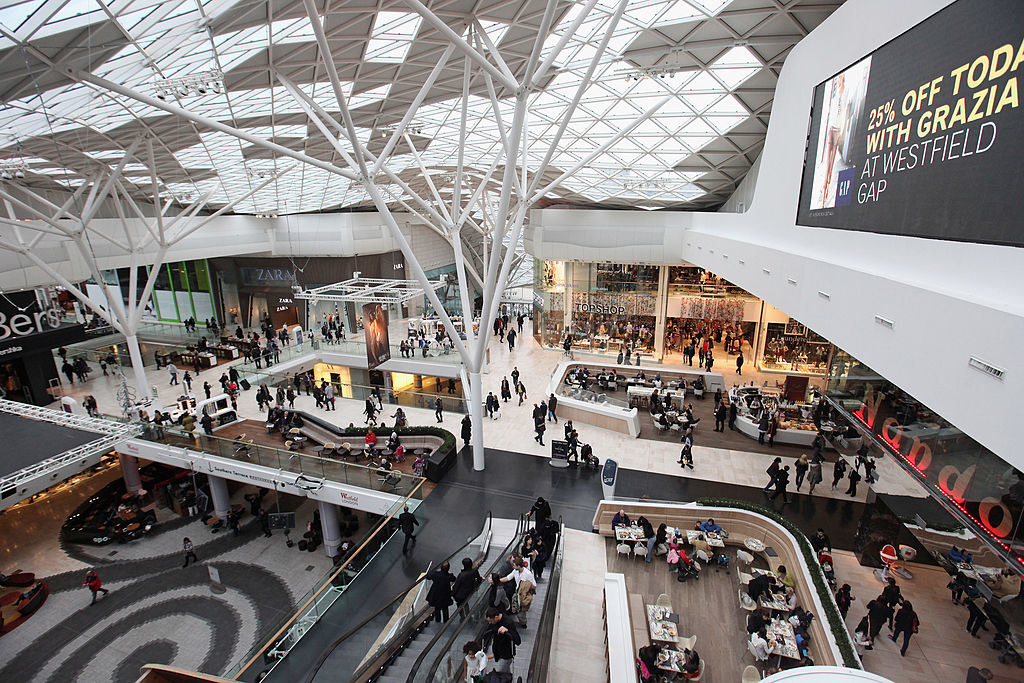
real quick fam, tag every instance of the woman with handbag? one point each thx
(907, 623)
(526, 587)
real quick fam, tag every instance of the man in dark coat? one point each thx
(466, 582)
(408, 522)
(773, 472)
(781, 482)
(503, 636)
(540, 512)
(440, 594)
(467, 429)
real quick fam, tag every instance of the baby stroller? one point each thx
(589, 459)
(687, 569)
(825, 560)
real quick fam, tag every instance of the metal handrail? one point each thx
(541, 655)
(327, 583)
(404, 634)
(517, 538)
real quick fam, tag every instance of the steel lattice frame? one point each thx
(368, 290)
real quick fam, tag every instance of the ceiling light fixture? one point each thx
(197, 84)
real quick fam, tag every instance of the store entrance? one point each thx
(14, 384)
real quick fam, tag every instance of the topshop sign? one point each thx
(607, 309)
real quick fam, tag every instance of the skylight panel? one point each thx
(495, 31)
(392, 36)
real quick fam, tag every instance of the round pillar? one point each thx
(329, 524)
(220, 497)
(130, 472)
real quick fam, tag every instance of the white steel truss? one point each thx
(368, 290)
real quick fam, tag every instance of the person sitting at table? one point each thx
(699, 544)
(383, 468)
(792, 601)
(648, 656)
(755, 621)
(297, 421)
(657, 382)
(759, 585)
(662, 420)
(620, 519)
(711, 528)
(661, 540)
(689, 415)
(691, 663)
(371, 439)
(784, 578)
(960, 555)
(393, 441)
(759, 645)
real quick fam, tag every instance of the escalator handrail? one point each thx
(521, 527)
(544, 627)
(311, 674)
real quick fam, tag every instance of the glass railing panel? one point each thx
(444, 653)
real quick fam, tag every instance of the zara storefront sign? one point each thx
(26, 324)
(607, 309)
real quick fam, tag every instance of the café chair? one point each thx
(700, 672)
(750, 674)
(663, 601)
(744, 577)
(687, 643)
(660, 427)
(746, 602)
(640, 549)
(702, 556)
(329, 449)
(751, 650)
(744, 557)
(292, 445)
(623, 548)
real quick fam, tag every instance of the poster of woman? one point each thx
(375, 326)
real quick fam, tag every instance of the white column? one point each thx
(130, 472)
(476, 409)
(660, 313)
(329, 524)
(135, 353)
(219, 494)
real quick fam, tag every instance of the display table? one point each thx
(795, 437)
(629, 533)
(661, 628)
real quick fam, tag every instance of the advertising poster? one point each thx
(921, 137)
(375, 326)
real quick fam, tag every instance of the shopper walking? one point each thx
(92, 580)
(838, 471)
(814, 474)
(772, 472)
(801, 466)
(905, 622)
(187, 381)
(521, 390)
(721, 412)
(438, 410)
(173, 370)
(408, 522)
(781, 482)
(976, 621)
(854, 477)
(467, 429)
(539, 427)
(208, 390)
(552, 404)
(739, 363)
(188, 549)
(506, 391)
(526, 587)
(511, 339)
(843, 599)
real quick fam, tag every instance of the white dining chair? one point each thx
(751, 674)
(744, 557)
(663, 601)
(687, 643)
(623, 548)
(702, 556)
(640, 549)
(744, 577)
(746, 602)
(700, 672)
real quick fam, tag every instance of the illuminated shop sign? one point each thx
(26, 324)
(960, 473)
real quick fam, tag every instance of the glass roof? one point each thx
(717, 58)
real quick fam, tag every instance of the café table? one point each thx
(754, 545)
(629, 533)
(671, 660)
(714, 540)
(782, 639)
(660, 625)
(775, 602)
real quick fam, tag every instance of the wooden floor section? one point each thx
(708, 608)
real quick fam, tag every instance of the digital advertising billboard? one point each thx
(375, 325)
(923, 137)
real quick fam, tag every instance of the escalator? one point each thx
(441, 660)
(369, 647)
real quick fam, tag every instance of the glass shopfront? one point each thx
(977, 486)
(659, 310)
